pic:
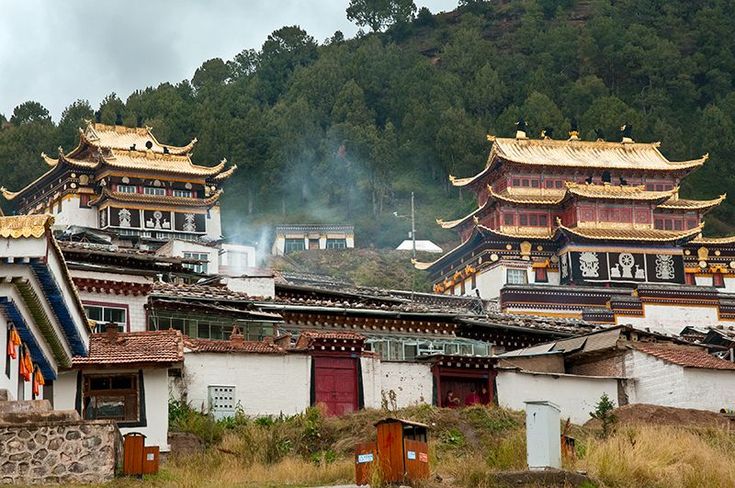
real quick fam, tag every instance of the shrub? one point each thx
(603, 413)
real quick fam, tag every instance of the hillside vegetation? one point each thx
(342, 130)
(467, 448)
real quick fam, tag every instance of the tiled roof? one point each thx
(199, 292)
(623, 234)
(211, 345)
(714, 241)
(681, 203)
(121, 137)
(618, 192)
(579, 154)
(149, 347)
(166, 200)
(588, 154)
(314, 228)
(26, 226)
(687, 356)
(537, 196)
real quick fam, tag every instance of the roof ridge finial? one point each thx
(626, 131)
(547, 133)
(521, 129)
(574, 131)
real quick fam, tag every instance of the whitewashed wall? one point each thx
(412, 383)
(73, 214)
(671, 319)
(214, 223)
(155, 383)
(265, 384)
(576, 396)
(371, 381)
(709, 389)
(490, 281)
(256, 286)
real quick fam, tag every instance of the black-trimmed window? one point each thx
(336, 243)
(8, 360)
(516, 276)
(113, 397)
(294, 245)
(103, 314)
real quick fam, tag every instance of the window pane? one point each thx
(542, 220)
(294, 245)
(534, 183)
(508, 219)
(517, 277)
(116, 315)
(122, 382)
(533, 220)
(523, 219)
(93, 313)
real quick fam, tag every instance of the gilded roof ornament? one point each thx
(25, 226)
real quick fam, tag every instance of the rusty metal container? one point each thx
(151, 459)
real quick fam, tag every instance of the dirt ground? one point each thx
(641, 413)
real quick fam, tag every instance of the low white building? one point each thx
(309, 237)
(124, 378)
(421, 246)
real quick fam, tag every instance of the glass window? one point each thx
(549, 183)
(516, 277)
(410, 351)
(525, 182)
(533, 220)
(523, 219)
(127, 189)
(336, 243)
(151, 190)
(559, 184)
(201, 267)
(104, 314)
(293, 245)
(508, 219)
(534, 184)
(182, 193)
(516, 182)
(112, 397)
(542, 220)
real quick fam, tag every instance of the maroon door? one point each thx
(336, 384)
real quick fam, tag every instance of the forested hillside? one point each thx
(342, 130)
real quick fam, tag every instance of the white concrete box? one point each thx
(543, 435)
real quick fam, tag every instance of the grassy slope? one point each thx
(467, 446)
(364, 267)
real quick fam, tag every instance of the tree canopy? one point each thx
(344, 130)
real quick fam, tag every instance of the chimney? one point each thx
(111, 331)
(236, 337)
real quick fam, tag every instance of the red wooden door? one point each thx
(336, 384)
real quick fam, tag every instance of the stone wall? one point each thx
(59, 452)
(39, 445)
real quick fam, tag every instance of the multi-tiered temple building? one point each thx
(604, 219)
(124, 181)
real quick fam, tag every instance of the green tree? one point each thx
(74, 117)
(378, 14)
(30, 112)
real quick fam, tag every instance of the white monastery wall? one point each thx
(155, 384)
(371, 381)
(256, 286)
(134, 304)
(265, 384)
(412, 383)
(490, 281)
(214, 223)
(654, 381)
(72, 214)
(576, 396)
(709, 389)
(670, 318)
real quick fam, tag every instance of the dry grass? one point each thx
(468, 446)
(661, 456)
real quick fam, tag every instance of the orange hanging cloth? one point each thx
(13, 342)
(38, 381)
(26, 368)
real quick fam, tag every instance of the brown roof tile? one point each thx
(149, 347)
(211, 345)
(687, 356)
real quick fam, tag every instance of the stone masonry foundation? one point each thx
(39, 446)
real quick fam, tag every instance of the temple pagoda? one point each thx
(123, 180)
(574, 212)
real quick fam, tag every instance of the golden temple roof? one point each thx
(618, 192)
(538, 196)
(713, 240)
(121, 137)
(676, 203)
(451, 224)
(519, 232)
(153, 161)
(588, 154)
(575, 153)
(166, 200)
(629, 234)
(25, 226)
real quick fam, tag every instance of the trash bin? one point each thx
(151, 457)
(133, 447)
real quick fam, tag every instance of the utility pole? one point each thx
(413, 226)
(413, 241)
